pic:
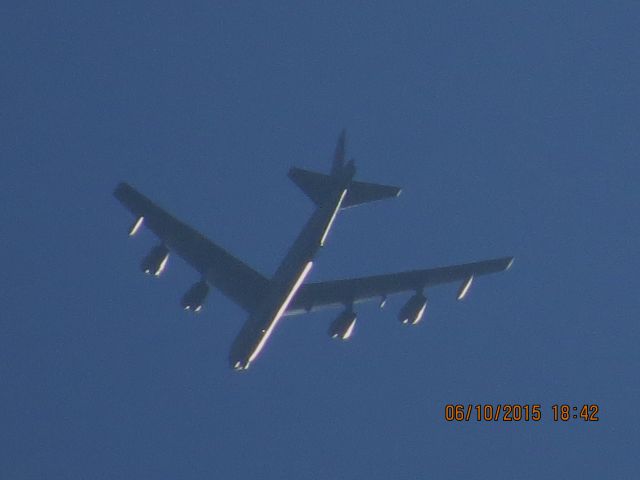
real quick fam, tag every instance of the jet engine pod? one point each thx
(412, 311)
(154, 263)
(194, 298)
(342, 327)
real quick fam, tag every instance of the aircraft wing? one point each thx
(234, 278)
(314, 296)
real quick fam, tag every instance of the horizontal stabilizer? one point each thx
(317, 186)
(360, 192)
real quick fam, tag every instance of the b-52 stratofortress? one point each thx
(267, 300)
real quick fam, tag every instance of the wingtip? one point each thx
(120, 188)
(509, 262)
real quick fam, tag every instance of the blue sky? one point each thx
(513, 128)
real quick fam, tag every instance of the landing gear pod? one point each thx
(464, 288)
(136, 226)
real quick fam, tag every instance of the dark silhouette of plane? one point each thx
(267, 300)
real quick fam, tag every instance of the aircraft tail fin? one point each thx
(338, 156)
(318, 185)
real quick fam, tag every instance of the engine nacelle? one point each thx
(154, 263)
(342, 327)
(412, 311)
(194, 298)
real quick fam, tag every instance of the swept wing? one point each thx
(314, 296)
(235, 279)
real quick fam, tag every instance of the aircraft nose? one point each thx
(239, 365)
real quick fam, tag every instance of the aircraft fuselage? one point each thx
(288, 278)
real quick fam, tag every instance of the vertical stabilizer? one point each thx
(338, 157)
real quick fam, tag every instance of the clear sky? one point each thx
(513, 128)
